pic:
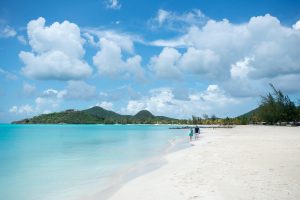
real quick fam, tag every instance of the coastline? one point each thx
(246, 162)
(122, 177)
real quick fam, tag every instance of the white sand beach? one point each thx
(245, 162)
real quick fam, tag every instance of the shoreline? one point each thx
(142, 168)
(246, 162)
(122, 177)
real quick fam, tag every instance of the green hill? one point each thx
(96, 115)
(67, 117)
(99, 112)
(144, 114)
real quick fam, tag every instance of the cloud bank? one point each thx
(259, 51)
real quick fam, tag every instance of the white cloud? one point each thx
(198, 60)
(106, 105)
(109, 61)
(216, 96)
(162, 16)
(218, 51)
(165, 64)
(51, 99)
(90, 38)
(116, 56)
(241, 69)
(113, 4)
(175, 42)
(124, 40)
(296, 26)
(46, 104)
(170, 63)
(28, 89)
(162, 101)
(177, 22)
(13, 109)
(7, 32)
(78, 90)
(23, 109)
(57, 51)
(51, 93)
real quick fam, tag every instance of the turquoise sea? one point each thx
(70, 162)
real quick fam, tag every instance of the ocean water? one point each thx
(70, 162)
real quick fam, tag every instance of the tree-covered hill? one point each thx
(96, 115)
(144, 114)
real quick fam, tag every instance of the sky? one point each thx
(172, 58)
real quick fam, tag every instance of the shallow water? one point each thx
(75, 161)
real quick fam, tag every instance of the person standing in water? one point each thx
(197, 131)
(191, 134)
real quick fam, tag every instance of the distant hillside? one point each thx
(96, 115)
(249, 114)
(144, 114)
(99, 112)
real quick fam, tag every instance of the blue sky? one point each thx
(172, 58)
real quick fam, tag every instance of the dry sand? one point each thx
(246, 162)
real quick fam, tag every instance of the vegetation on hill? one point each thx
(144, 114)
(97, 115)
(67, 117)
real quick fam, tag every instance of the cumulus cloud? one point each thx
(23, 109)
(222, 52)
(110, 62)
(44, 105)
(175, 21)
(241, 69)
(51, 93)
(90, 38)
(113, 4)
(296, 26)
(106, 105)
(75, 90)
(46, 102)
(57, 52)
(165, 64)
(162, 101)
(124, 40)
(172, 64)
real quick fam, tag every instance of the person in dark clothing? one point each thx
(197, 132)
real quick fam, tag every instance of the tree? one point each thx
(276, 107)
(213, 117)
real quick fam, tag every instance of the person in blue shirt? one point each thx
(191, 134)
